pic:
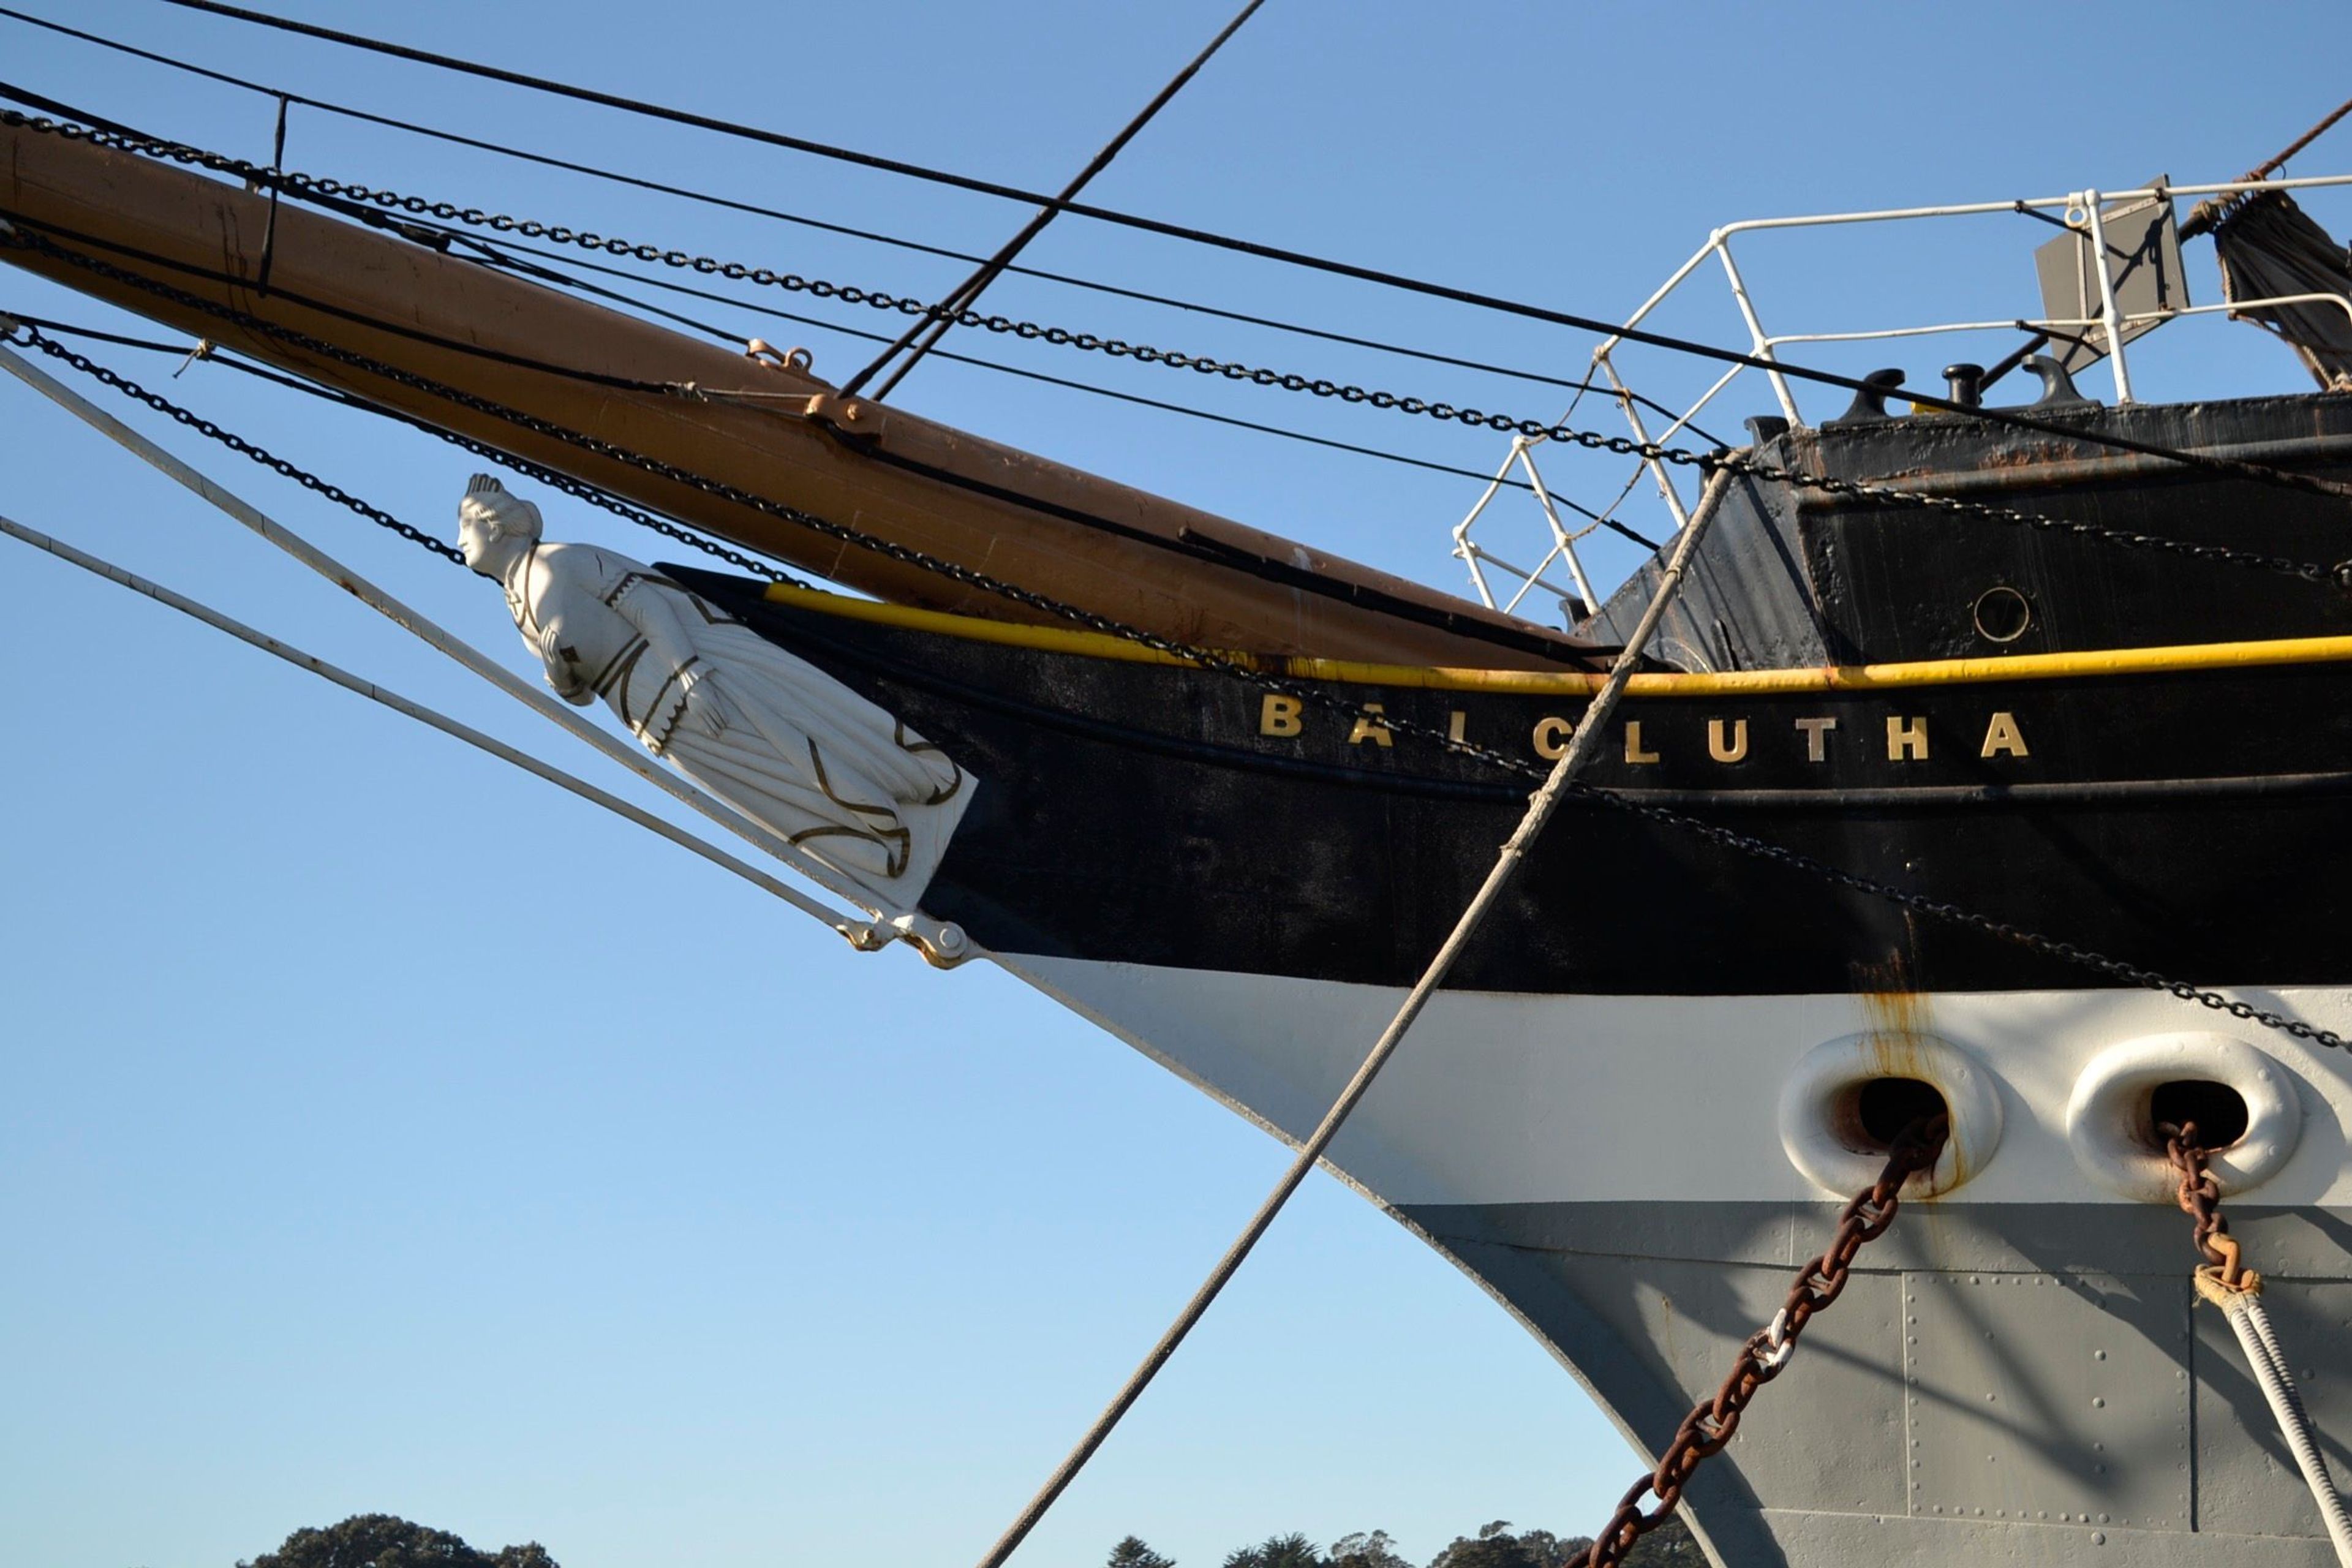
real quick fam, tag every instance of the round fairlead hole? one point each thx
(2002, 615)
(2247, 1106)
(1847, 1101)
(2218, 1112)
(1878, 1110)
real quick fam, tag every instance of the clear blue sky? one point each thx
(355, 1156)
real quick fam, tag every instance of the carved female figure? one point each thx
(771, 734)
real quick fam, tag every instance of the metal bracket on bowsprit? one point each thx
(848, 418)
(851, 417)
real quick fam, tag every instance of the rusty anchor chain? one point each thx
(1712, 1422)
(2200, 1198)
(2224, 1282)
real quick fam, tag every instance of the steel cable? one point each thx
(330, 191)
(338, 191)
(684, 193)
(1224, 242)
(1228, 665)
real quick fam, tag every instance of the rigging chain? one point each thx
(1579, 387)
(1239, 668)
(554, 480)
(1711, 1422)
(2226, 1282)
(334, 192)
(2015, 418)
(2200, 1196)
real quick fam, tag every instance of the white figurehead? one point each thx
(771, 734)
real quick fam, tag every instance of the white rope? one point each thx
(1540, 806)
(2243, 1308)
(941, 942)
(861, 933)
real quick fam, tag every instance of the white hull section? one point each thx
(1513, 1098)
(2016, 1371)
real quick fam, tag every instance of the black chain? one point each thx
(1206, 658)
(1920, 903)
(33, 338)
(339, 191)
(581, 490)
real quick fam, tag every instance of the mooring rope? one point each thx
(939, 941)
(1230, 666)
(2223, 1280)
(862, 934)
(1540, 806)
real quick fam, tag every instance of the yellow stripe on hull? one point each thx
(1539, 683)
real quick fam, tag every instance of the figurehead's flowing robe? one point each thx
(771, 734)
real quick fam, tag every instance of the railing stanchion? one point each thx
(2110, 314)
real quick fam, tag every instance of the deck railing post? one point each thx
(2109, 313)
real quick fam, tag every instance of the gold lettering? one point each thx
(1732, 749)
(1454, 723)
(1907, 739)
(1633, 752)
(1370, 728)
(1817, 745)
(1552, 737)
(1278, 715)
(2003, 737)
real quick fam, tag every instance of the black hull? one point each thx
(2186, 820)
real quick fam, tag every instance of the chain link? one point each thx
(2200, 1197)
(34, 337)
(581, 490)
(390, 201)
(1236, 667)
(1712, 1423)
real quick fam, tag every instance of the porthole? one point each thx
(2001, 613)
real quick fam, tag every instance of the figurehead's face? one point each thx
(492, 525)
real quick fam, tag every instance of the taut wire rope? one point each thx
(352, 200)
(1546, 800)
(942, 316)
(936, 938)
(2223, 1280)
(1224, 664)
(862, 934)
(1307, 260)
(328, 106)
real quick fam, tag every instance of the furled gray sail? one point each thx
(2269, 248)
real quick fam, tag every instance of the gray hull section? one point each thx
(2060, 1401)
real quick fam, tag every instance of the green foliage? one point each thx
(1132, 1552)
(1495, 1547)
(1292, 1551)
(380, 1541)
(1366, 1549)
(1671, 1545)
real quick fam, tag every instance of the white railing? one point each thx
(2079, 211)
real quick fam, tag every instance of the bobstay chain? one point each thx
(1712, 1422)
(2122, 971)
